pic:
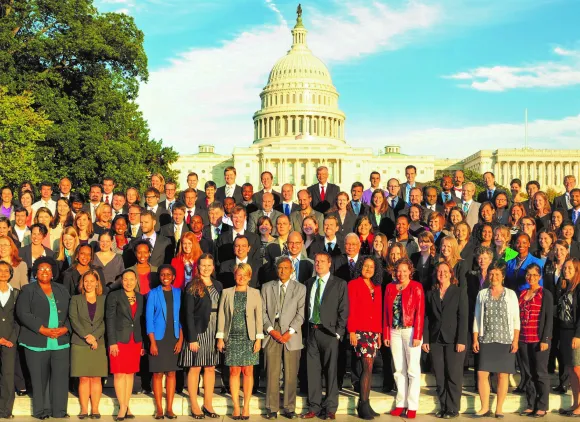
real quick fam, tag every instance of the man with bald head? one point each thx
(287, 205)
(303, 267)
(266, 209)
(305, 204)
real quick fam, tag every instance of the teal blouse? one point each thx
(52, 343)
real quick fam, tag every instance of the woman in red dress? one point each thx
(124, 316)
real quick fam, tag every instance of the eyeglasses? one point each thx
(44, 270)
(150, 197)
(134, 213)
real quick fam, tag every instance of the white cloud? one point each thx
(463, 141)
(208, 95)
(274, 8)
(550, 74)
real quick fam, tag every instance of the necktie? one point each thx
(216, 232)
(287, 209)
(322, 193)
(296, 264)
(356, 207)
(575, 216)
(394, 202)
(188, 220)
(285, 249)
(177, 233)
(228, 191)
(465, 207)
(329, 247)
(446, 197)
(171, 206)
(316, 307)
(282, 295)
(133, 231)
(351, 264)
(107, 200)
(489, 195)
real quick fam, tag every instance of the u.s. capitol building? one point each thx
(300, 127)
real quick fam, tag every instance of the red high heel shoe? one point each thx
(411, 414)
(398, 411)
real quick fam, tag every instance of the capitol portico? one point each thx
(300, 127)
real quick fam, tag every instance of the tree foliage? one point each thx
(83, 69)
(21, 128)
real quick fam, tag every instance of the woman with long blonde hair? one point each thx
(450, 253)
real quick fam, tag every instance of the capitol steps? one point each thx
(144, 404)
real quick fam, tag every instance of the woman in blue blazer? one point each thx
(165, 337)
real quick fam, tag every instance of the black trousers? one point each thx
(8, 359)
(21, 374)
(448, 369)
(555, 354)
(322, 359)
(347, 360)
(388, 368)
(49, 374)
(534, 364)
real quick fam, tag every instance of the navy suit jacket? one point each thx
(517, 280)
(330, 195)
(220, 194)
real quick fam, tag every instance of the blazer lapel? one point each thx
(127, 305)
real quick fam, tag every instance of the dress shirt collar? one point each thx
(326, 241)
(325, 277)
(355, 258)
(243, 261)
(325, 186)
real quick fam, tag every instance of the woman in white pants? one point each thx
(403, 332)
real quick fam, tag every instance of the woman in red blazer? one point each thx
(403, 333)
(185, 263)
(365, 324)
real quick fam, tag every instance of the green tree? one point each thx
(83, 69)
(21, 128)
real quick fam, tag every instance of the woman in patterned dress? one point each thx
(496, 331)
(199, 352)
(364, 324)
(240, 333)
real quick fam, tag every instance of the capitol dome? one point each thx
(299, 100)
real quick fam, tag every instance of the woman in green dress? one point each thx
(240, 334)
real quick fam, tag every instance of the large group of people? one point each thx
(260, 287)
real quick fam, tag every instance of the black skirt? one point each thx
(166, 359)
(496, 357)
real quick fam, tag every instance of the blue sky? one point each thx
(445, 77)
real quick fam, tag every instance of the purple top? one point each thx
(92, 309)
(366, 196)
(5, 211)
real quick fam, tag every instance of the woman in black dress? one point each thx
(542, 210)
(165, 337)
(200, 309)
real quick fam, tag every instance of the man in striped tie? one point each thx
(326, 312)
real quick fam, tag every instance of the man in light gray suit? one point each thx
(283, 302)
(469, 206)
(267, 209)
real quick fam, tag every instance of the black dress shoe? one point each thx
(290, 415)
(8, 416)
(223, 390)
(21, 393)
(440, 414)
(451, 415)
(560, 389)
(540, 415)
(271, 415)
(518, 390)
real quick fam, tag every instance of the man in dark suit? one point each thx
(490, 191)
(431, 200)
(303, 267)
(416, 198)
(532, 187)
(287, 206)
(242, 249)
(405, 188)
(563, 202)
(267, 179)
(162, 252)
(134, 217)
(119, 204)
(230, 189)
(192, 181)
(162, 217)
(170, 199)
(275, 249)
(356, 202)
(175, 230)
(323, 193)
(332, 241)
(446, 194)
(247, 201)
(326, 324)
(574, 213)
(64, 189)
(191, 207)
(395, 201)
(224, 246)
(216, 226)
